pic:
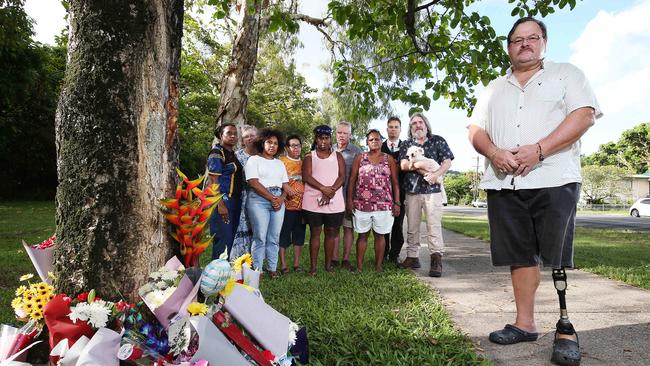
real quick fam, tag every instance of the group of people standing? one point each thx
(270, 196)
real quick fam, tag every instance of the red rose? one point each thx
(83, 297)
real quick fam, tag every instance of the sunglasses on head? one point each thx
(323, 131)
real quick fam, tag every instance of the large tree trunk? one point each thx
(117, 144)
(238, 78)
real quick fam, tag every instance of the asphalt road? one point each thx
(593, 221)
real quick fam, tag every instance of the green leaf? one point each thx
(91, 296)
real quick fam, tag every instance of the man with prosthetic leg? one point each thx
(528, 125)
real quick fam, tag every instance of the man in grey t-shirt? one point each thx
(349, 152)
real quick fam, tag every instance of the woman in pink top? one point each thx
(373, 191)
(323, 172)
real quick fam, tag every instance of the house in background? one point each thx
(639, 185)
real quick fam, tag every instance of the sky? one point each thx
(609, 40)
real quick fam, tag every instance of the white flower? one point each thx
(96, 313)
(169, 276)
(161, 285)
(156, 298)
(154, 275)
(293, 328)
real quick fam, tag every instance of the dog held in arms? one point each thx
(417, 160)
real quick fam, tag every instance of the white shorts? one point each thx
(381, 222)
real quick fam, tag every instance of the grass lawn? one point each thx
(31, 221)
(352, 319)
(618, 254)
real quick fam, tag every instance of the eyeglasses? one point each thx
(530, 39)
(295, 146)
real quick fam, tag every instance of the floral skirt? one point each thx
(243, 237)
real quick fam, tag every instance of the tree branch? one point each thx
(424, 6)
(317, 22)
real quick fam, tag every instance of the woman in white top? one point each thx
(268, 182)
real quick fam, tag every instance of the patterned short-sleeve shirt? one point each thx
(436, 148)
(223, 164)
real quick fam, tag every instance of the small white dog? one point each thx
(415, 155)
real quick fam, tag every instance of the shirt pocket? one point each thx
(549, 98)
(550, 91)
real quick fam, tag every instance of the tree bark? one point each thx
(238, 78)
(117, 143)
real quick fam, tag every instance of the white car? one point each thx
(640, 208)
(480, 204)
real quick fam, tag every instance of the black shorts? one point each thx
(529, 227)
(293, 229)
(318, 219)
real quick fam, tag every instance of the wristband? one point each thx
(397, 203)
(540, 155)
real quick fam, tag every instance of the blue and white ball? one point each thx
(215, 277)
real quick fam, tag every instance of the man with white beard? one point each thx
(423, 194)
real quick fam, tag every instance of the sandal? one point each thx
(274, 275)
(511, 335)
(284, 271)
(297, 269)
(566, 351)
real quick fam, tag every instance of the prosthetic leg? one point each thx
(565, 351)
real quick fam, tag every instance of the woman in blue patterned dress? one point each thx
(244, 235)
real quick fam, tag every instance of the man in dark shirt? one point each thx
(395, 239)
(423, 193)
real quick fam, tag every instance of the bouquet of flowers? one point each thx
(144, 339)
(189, 212)
(90, 308)
(31, 299)
(42, 255)
(68, 320)
(168, 291)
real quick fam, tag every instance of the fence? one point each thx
(603, 207)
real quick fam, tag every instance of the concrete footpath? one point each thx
(611, 318)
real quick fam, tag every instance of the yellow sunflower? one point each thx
(237, 263)
(36, 314)
(28, 306)
(26, 277)
(17, 303)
